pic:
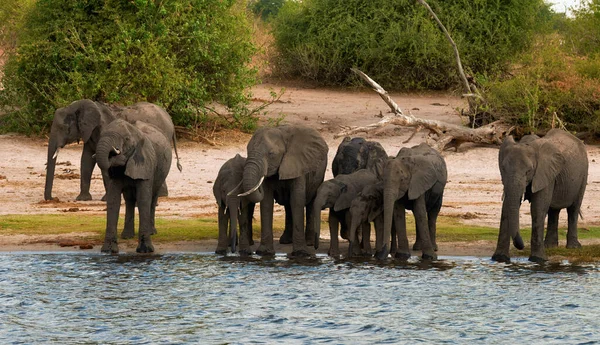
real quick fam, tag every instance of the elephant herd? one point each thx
(286, 164)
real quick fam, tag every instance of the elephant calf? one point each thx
(136, 158)
(337, 195)
(551, 172)
(414, 180)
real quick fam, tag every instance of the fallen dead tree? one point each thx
(441, 135)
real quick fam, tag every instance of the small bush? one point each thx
(397, 43)
(179, 54)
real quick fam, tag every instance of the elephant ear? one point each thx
(550, 162)
(140, 165)
(425, 172)
(305, 152)
(344, 201)
(88, 119)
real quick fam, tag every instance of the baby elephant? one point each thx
(337, 195)
(414, 180)
(136, 158)
(232, 208)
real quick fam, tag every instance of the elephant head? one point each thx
(225, 189)
(80, 120)
(287, 152)
(413, 172)
(123, 150)
(526, 168)
(367, 206)
(357, 153)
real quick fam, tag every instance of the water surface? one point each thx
(77, 298)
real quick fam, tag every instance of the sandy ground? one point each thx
(473, 192)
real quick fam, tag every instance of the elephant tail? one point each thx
(179, 167)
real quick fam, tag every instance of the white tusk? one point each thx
(253, 189)
(233, 191)
(117, 151)
(55, 153)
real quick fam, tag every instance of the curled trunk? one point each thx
(50, 167)
(253, 172)
(103, 150)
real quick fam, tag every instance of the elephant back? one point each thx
(149, 113)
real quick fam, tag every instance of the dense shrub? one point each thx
(547, 80)
(583, 32)
(265, 8)
(179, 53)
(397, 43)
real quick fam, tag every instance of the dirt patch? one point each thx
(473, 193)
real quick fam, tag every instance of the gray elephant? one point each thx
(357, 153)
(233, 209)
(414, 180)
(367, 208)
(136, 158)
(337, 195)
(551, 172)
(85, 119)
(286, 163)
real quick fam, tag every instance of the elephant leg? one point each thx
(366, 239)
(287, 236)
(432, 225)
(310, 225)
(298, 203)
(540, 203)
(144, 200)
(334, 224)
(113, 204)
(153, 213)
(420, 213)
(394, 247)
(245, 231)
(266, 225)
(417, 244)
(399, 222)
(129, 229)
(573, 213)
(87, 167)
(250, 223)
(551, 240)
(223, 241)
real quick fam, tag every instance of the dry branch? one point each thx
(441, 135)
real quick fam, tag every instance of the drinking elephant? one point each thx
(366, 208)
(286, 163)
(357, 153)
(414, 180)
(85, 119)
(551, 172)
(136, 158)
(233, 209)
(337, 195)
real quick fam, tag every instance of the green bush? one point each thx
(265, 8)
(179, 54)
(397, 43)
(583, 31)
(548, 80)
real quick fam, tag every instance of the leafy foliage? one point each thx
(397, 43)
(180, 54)
(266, 8)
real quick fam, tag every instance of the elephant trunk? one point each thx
(105, 148)
(355, 222)
(389, 199)
(233, 204)
(509, 221)
(50, 166)
(253, 176)
(318, 205)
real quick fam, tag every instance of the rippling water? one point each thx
(206, 299)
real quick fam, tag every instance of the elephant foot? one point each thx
(402, 256)
(251, 241)
(245, 253)
(286, 238)
(551, 244)
(127, 234)
(299, 254)
(145, 246)
(383, 254)
(574, 244)
(429, 256)
(110, 247)
(84, 197)
(518, 242)
(538, 259)
(262, 251)
(221, 251)
(501, 257)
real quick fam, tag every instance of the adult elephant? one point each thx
(551, 172)
(286, 163)
(414, 180)
(85, 119)
(137, 159)
(357, 153)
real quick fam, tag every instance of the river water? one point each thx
(79, 298)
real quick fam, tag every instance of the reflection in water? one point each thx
(189, 298)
